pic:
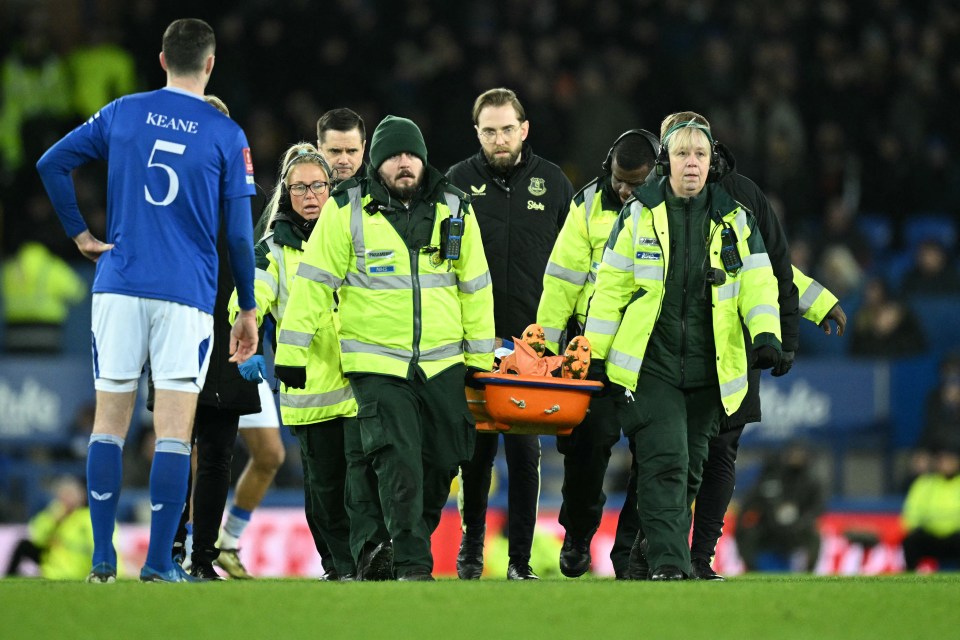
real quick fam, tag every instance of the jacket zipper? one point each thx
(415, 286)
(683, 299)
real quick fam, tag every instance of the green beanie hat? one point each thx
(395, 135)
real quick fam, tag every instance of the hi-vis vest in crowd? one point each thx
(816, 301)
(327, 394)
(630, 288)
(572, 270)
(397, 307)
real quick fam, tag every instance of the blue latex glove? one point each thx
(254, 369)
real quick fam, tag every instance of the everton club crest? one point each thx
(537, 187)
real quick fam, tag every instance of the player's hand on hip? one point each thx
(90, 247)
(243, 336)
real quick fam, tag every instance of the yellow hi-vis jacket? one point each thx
(630, 288)
(39, 287)
(816, 301)
(398, 307)
(572, 269)
(327, 394)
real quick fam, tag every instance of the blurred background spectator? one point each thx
(884, 326)
(60, 538)
(941, 426)
(931, 515)
(777, 527)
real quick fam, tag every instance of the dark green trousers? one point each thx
(362, 499)
(586, 455)
(324, 484)
(416, 433)
(672, 429)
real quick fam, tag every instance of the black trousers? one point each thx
(214, 436)
(586, 456)
(919, 544)
(713, 498)
(25, 550)
(324, 484)
(523, 490)
(415, 432)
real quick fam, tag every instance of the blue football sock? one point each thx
(168, 493)
(104, 473)
(237, 521)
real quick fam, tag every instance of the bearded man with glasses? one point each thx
(521, 202)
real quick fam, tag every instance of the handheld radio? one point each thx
(729, 254)
(451, 235)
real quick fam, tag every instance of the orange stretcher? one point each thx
(530, 404)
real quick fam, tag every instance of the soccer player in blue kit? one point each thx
(174, 163)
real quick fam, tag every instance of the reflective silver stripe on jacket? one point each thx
(267, 278)
(446, 351)
(648, 272)
(733, 386)
(567, 275)
(624, 360)
(479, 346)
(616, 260)
(453, 203)
(356, 346)
(427, 281)
(740, 222)
(356, 228)
(316, 400)
(728, 291)
(295, 338)
(756, 261)
(311, 272)
(588, 194)
(603, 327)
(282, 293)
(551, 334)
(427, 355)
(476, 284)
(761, 309)
(810, 296)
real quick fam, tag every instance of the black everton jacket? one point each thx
(520, 215)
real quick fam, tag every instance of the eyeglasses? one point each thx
(508, 133)
(300, 189)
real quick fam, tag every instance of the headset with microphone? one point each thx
(607, 165)
(663, 158)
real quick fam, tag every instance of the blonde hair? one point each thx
(218, 103)
(681, 119)
(299, 153)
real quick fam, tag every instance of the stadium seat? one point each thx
(878, 229)
(932, 225)
(939, 317)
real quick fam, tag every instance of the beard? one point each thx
(407, 192)
(503, 164)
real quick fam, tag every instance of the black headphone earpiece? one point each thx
(654, 141)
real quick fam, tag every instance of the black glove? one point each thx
(293, 377)
(472, 382)
(784, 365)
(764, 357)
(598, 372)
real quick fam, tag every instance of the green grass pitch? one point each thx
(747, 607)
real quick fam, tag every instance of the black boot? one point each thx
(470, 557)
(574, 556)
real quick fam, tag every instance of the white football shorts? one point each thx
(268, 411)
(128, 331)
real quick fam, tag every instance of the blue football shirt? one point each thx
(173, 161)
